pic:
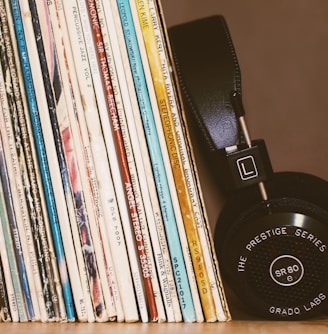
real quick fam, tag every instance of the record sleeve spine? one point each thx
(120, 151)
(157, 161)
(177, 150)
(38, 126)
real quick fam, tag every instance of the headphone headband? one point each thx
(211, 91)
(210, 104)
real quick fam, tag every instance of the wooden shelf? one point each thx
(234, 327)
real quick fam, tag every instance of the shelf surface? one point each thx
(234, 327)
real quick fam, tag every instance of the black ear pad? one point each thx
(274, 254)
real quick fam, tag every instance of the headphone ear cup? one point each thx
(273, 254)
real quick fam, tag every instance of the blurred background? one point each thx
(282, 48)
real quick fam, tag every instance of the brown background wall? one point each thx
(282, 47)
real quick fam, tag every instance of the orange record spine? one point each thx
(121, 154)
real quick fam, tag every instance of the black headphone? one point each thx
(271, 238)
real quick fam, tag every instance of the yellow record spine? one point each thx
(185, 201)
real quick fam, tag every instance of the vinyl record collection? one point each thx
(102, 216)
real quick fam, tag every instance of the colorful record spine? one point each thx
(177, 150)
(145, 173)
(114, 168)
(73, 152)
(51, 89)
(40, 123)
(30, 179)
(188, 161)
(104, 193)
(203, 225)
(167, 163)
(9, 279)
(125, 280)
(177, 257)
(92, 141)
(14, 292)
(121, 154)
(13, 244)
(21, 211)
(135, 160)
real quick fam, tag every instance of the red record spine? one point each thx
(121, 154)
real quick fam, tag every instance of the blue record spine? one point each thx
(177, 258)
(10, 228)
(36, 219)
(42, 157)
(56, 132)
